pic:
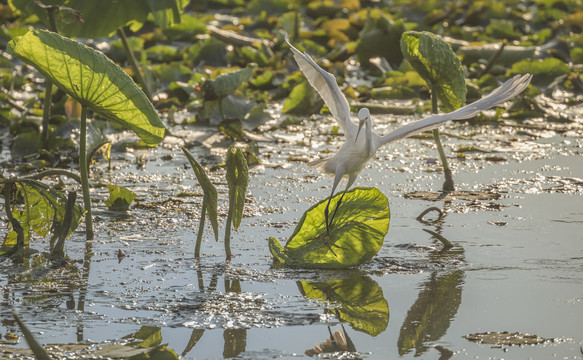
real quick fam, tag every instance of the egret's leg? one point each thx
(326, 212)
(337, 179)
(351, 180)
(338, 205)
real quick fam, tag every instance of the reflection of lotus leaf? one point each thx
(357, 232)
(361, 301)
(430, 316)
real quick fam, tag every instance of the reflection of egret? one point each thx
(353, 155)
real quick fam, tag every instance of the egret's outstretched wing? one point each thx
(325, 84)
(506, 91)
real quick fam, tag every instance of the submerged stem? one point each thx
(200, 230)
(221, 111)
(84, 174)
(448, 185)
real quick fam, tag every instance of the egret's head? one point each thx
(363, 115)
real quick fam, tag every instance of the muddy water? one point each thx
(517, 263)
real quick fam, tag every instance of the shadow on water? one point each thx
(429, 318)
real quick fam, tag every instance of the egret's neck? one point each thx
(368, 137)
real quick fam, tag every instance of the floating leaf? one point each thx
(25, 145)
(237, 180)
(210, 192)
(264, 80)
(120, 198)
(356, 233)
(379, 29)
(303, 100)
(506, 338)
(228, 83)
(502, 29)
(92, 79)
(360, 299)
(544, 71)
(437, 64)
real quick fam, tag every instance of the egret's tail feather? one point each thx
(319, 164)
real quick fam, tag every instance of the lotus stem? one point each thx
(448, 185)
(221, 111)
(58, 251)
(15, 223)
(85, 174)
(54, 172)
(48, 84)
(200, 230)
(228, 230)
(122, 35)
(37, 349)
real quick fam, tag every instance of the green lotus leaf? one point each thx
(228, 83)
(302, 100)
(92, 79)
(360, 299)
(545, 71)
(237, 180)
(120, 198)
(43, 210)
(438, 65)
(210, 192)
(101, 18)
(356, 233)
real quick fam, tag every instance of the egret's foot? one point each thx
(448, 185)
(329, 245)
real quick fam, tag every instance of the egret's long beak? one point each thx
(360, 124)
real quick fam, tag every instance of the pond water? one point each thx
(516, 264)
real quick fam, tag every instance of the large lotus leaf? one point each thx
(237, 180)
(210, 192)
(356, 233)
(360, 299)
(101, 18)
(437, 64)
(92, 79)
(42, 210)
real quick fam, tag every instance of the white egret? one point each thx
(353, 155)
